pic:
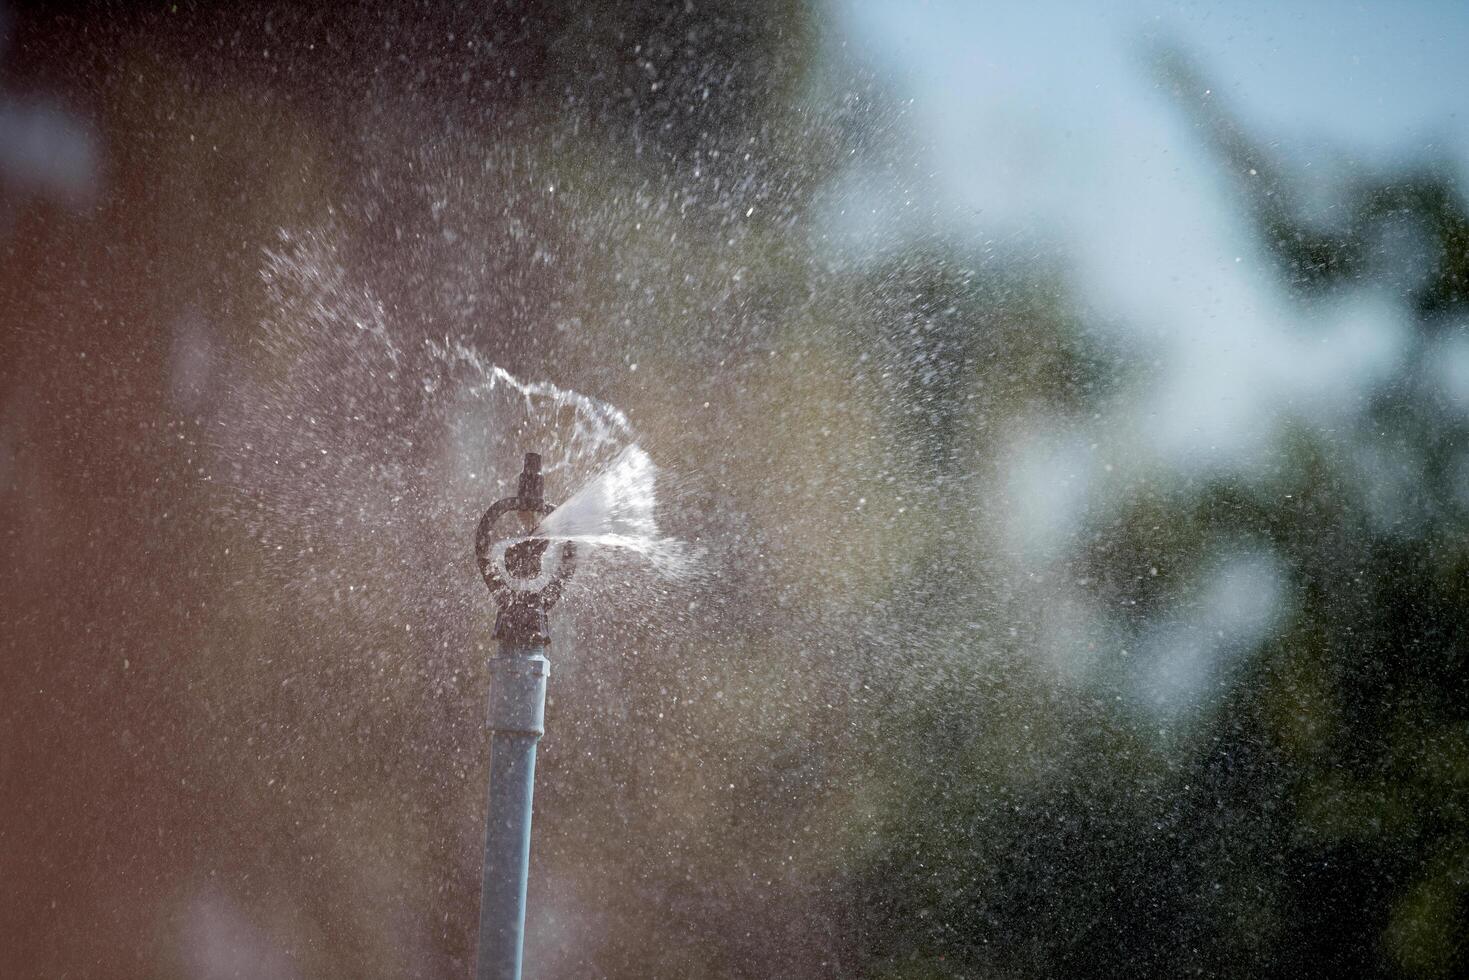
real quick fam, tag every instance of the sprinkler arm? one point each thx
(522, 616)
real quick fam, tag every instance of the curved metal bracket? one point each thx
(522, 615)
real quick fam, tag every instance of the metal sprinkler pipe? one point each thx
(518, 674)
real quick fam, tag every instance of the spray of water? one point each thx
(362, 463)
(617, 509)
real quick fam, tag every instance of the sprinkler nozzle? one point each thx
(532, 484)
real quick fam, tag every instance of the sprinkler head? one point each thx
(531, 492)
(522, 617)
(532, 484)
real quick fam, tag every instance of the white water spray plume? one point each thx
(616, 510)
(363, 463)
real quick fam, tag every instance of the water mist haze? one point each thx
(1015, 462)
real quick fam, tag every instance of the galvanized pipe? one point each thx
(517, 722)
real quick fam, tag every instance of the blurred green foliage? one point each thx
(1314, 824)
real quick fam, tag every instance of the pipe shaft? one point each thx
(517, 721)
